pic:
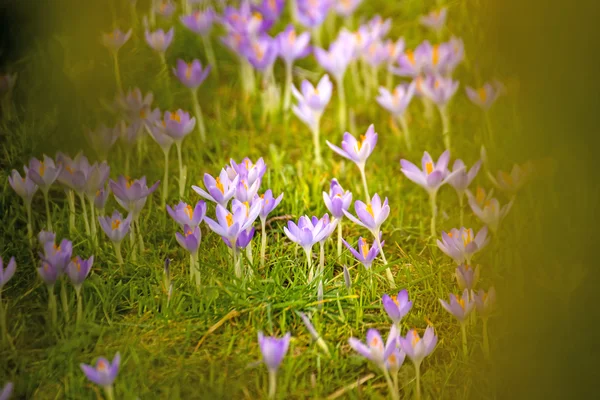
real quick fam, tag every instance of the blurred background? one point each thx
(548, 53)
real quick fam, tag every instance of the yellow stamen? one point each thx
(482, 94)
(429, 167)
(416, 339)
(175, 117)
(69, 169)
(507, 178)
(364, 247)
(219, 185)
(435, 54)
(480, 196)
(229, 219)
(461, 301)
(42, 168)
(115, 224)
(188, 71)
(370, 210)
(395, 300)
(375, 342)
(188, 233)
(102, 366)
(292, 37)
(410, 56)
(467, 236)
(189, 211)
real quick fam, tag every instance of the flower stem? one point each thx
(263, 241)
(165, 188)
(140, 237)
(199, 117)
(3, 329)
(405, 131)
(117, 72)
(488, 124)
(463, 330)
(418, 374)
(272, 383)
(132, 241)
(181, 169)
(109, 392)
(317, 144)
(311, 273)
(48, 216)
(237, 263)
(71, 201)
(388, 272)
(461, 204)
(210, 55)
(52, 306)
(445, 126)
(342, 104)
(86, 221)
(321, 258)
(29, 224)
(65, 301)
(287, 95)
(79, 306)
(93, 221)
(339, 242)
(361, 167)
(486, 340)
(117, 246)
(393, 392)
(432, 201)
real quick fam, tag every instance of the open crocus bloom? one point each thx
(432, 175)
(485, 302)
(293, 46)
(371, 215)
(397, 101)
(317, 97)
(462, 244)
(184, 214)
(357, 151)
(397, 306)
(220, 189)
(435, 20)
(159, 40)
(417, 348)
(337, 200)
(365, 254)
(229, 225)
(116, 227)
(375, 349)
(191, 75)
(467, 276)
(461, 180)
(459, 306)
(306, 233)
(488, 210)
(273, 349)
(485, 96)
(104, 373)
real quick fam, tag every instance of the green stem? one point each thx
(29, 224)
(311, 273)
(198, 113)
(272, 383)
(342, 104)
(393, 392)
(165, 188)
(361, 167)
(445, 126)
(140, 237)
(65, 301)
(418, 374)
(117, 72)
(388, 272)
(263, 241)
(317, 143)
(355, 78)
(432, 201)
(405, 131)
(486, 340)
(287, 95)
(3, 329)
(93, 221)
(109, 392)
(237, 261)
(132, 241)
(321, 258)
(117, 246)
(339, 242)
(71, 201)
(463, 330)
(48, 216)
(182, 176)
(79, 305)
(488, 124)
(85, 214)
(461, 204)
(52, 306)
(210, 55)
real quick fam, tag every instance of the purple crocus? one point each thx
(178, 124)
(103, 138)
(317, 97)
(396, 102)
(461, 245)
(269, 203)
(467, 277)
(23, 186)
(49, 273)
(248, 170)
(159, 40)
(243, 240)
(432, 175)
(165, 8)
(45, 237)
(116, 39)
(271, 9)
(459, 307)
(58, 256)
(439, 89)
(461, 178)
(191, 75)
(104, 373)
(410, 64)
(417, 348)
(273, 349)
(337, 200)
(100, 198)
(78, 269)
(312, 13)
(397, 306)
(371, 215)
(116, 227)
(346, 8)
(364, 254)
(132, 194)
(358, 151)
(335, 60)
(378, 27)
(230, 224)
(190, 239)
(375, 349)
(43, 173)
(488, 210)
(513, 181)
(375, 54)
(219, 190)
(485, 302)
(184, 214)
(135, 105)
(6, 273)
(200, 22)
(483, 97)
(261, 52)
(291, 45)
(6, 391)
(435, 20)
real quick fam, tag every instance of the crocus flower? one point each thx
(370, 215)
(488, 211)
(306, 233)
(200, 22)
(397, 101)
(103, 138)
(219, 190)
(23, 186)
(375, 349)
(439, 89)
(135, 105)
(485, 302)
(435, 20)
(191, 75)
(159, 40)
(375, 54)
(456, 52)
(190, 240)
(346, 8)
(247, 169)
(410, 64)
(307, 115)
(316, 98)
(337, 200)
(269, 203)
(261, 52)
(511, 183)
(132, 194)
(46, 236)
(357, 151)
(379, 27)
(313, 332)
(467, 277)
(271, 9)
(335, 60)
(312, 13)
(78, 269)
(243, 240)
(461, 178)
(8, 272)
(115, 39)
(58, 256)
(459, 307)
(365, 254)
(116, 227)
(397, 306)
(433, 175)
(291, 45)
(483, 97)
(244, 192)
(178, 124)
(43, 173)
(165, 8)
(461, 245)
(49, 273)
(6, 391)
(273, 351)
(100, 198)
(230, 224)
(416, 348)
(184, 214)
(104, 373)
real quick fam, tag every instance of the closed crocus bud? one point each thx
(43, 173)
(49, 273)
(467, 276)
(45, 237)
(459, 306)
(337, 200)
(23, 186)
(8, 272)
(178, 124)
(273, 349)
(200, 22)
(355, 150)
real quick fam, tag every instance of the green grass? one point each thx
(204, 345)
